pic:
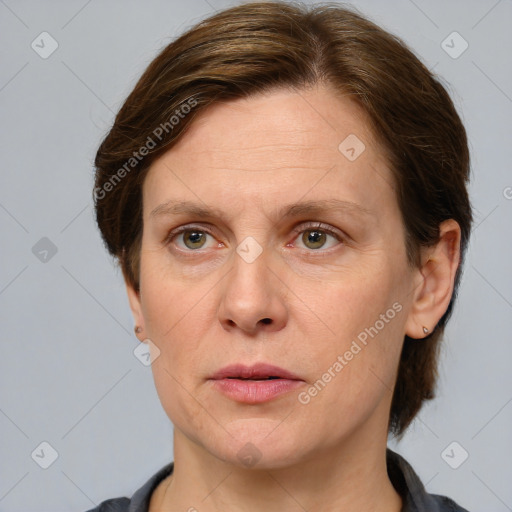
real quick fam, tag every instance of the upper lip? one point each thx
(256, 371)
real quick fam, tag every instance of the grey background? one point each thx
(68, 373)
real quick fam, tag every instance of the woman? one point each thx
(285, 191)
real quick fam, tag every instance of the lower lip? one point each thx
(255, 391)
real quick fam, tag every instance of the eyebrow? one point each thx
(174, 207)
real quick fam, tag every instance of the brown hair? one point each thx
(257, 47)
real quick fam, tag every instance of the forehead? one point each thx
(277, 145)
(281, 124)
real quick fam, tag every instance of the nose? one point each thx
(253, 297)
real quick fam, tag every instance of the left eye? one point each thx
(315, 238)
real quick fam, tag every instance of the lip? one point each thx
(258, 370)
(234, 381)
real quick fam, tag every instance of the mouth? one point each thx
(259, 371)
(255, 378)
(255, 384)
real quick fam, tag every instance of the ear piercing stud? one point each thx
(425, 330)
(137, 329)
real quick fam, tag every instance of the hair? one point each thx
(259, 47)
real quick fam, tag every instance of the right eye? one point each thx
(191, 238)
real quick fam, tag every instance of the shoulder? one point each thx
(113, 505)
(446, 504)
(139, 502)
(414, 496)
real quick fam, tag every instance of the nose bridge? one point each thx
(251, 297)
(250, 281)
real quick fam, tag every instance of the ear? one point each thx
(135, 306)
(434, 281)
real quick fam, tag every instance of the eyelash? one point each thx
(323, 228)
(308, 226)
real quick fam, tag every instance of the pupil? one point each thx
(315, 238)
(195, 237)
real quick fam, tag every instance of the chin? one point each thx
(259, 443)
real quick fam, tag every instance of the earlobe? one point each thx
(435, 281)
(136, 308)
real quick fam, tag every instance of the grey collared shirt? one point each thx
(401, 474)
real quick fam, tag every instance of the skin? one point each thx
(202, 305)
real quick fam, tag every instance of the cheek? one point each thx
(348, 301)
(357, 329)
(177, 317)
(177, 321)
(170, 304)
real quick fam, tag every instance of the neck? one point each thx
(352, 477)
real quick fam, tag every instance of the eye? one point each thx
(191, 238)
(317, 236)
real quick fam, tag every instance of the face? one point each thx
(271, 239)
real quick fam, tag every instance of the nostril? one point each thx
(266, 320)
